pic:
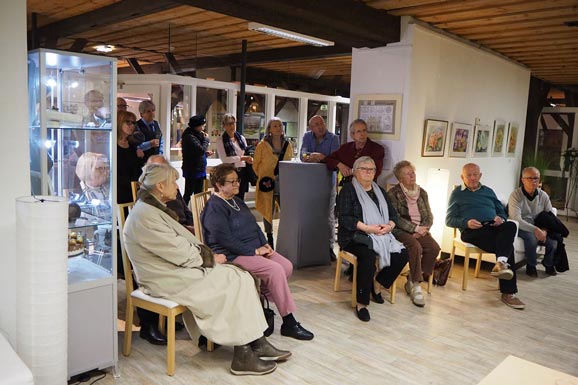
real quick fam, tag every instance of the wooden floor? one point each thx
(456, 339)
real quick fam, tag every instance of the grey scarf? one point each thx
(385, 244)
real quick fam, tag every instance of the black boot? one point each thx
(245, 362)
(270, 239)
(268, 352)
(152, 335)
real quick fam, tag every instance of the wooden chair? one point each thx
(468, 249)
(135, 186)
(198, 202)
(344, 255)
(136, 298)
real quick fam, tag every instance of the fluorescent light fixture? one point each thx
(283, 33)
(104, 48)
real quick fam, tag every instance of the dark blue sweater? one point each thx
(465, 204)
(230, 232)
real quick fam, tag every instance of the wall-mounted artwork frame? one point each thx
(482, 143)
(511, 144)
(434, 137)
(499, 138)
(460, 139)
(381, 112)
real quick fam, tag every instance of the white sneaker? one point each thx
(417, 296)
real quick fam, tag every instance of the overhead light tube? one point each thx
(289, 35)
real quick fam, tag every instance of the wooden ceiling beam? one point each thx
(345, 22)
(105, 16)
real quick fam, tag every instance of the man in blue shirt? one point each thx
(481, 218)
(153, 141)
(318, 143)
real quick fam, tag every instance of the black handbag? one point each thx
(441, 271)
(269, 317)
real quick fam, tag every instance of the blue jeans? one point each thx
(530, 244)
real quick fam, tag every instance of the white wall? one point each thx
(442, 78)
(14, 153)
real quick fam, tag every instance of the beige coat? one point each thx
(264, 162)
(223, 300)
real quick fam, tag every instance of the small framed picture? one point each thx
(482, 140)
(460, 139)
(499, 142)
(434, 137)
(512, 139)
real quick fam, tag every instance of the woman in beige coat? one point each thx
(265, 160)
(169, 262)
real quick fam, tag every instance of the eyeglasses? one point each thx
(366, 169)
(234, 181)
(532, 177)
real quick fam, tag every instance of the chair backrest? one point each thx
(135, 186)
(198, 202)
(123, 211)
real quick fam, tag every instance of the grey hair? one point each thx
(361, 160)
(87, 163)
(153, 173)
(401, 165)
(228, 117)
(529, 169)
(144, 105)
(356, 121)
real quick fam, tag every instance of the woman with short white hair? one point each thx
(169, 262)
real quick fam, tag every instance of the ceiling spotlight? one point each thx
(104, 48)
(285, 34)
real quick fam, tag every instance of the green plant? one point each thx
(538, 160)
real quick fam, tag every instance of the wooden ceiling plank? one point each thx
(114, 13)
(534, 37)
(318, 18)
(569, 13)
(513, 26)
(547, 41)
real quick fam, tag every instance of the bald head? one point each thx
(471, 175)
(157, 159)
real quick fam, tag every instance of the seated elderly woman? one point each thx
(230, 228)
(169, 262)
(366, 220)
(414, 220)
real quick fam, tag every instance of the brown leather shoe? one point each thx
(501, 271)
(268, 352)
(246, 362)
(513, 301)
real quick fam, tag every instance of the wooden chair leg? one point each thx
(354, 286)
(210, 346)
(128, 328)
(452, 255)
(478, 264)
(393, 290)
(161, 326)
(430, 283)
(466, 268)
(337, 280)
(170, 344)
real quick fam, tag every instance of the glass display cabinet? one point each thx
(72, 105)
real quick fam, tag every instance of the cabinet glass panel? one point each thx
(254, 119)
(212, 102)
(341, 119)
(287, 109)
(71, 136)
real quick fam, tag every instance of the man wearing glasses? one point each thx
(153, 143)
(525, 204)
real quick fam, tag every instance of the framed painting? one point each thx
(382, 113)
(482, 140)
(460, 139)
(499, 142)
(434, 137)
(512, 139)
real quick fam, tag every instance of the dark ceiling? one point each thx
(186, 36)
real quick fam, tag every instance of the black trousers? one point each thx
(192, 186)
(244, 185)
(366, 269)
(500, 241)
